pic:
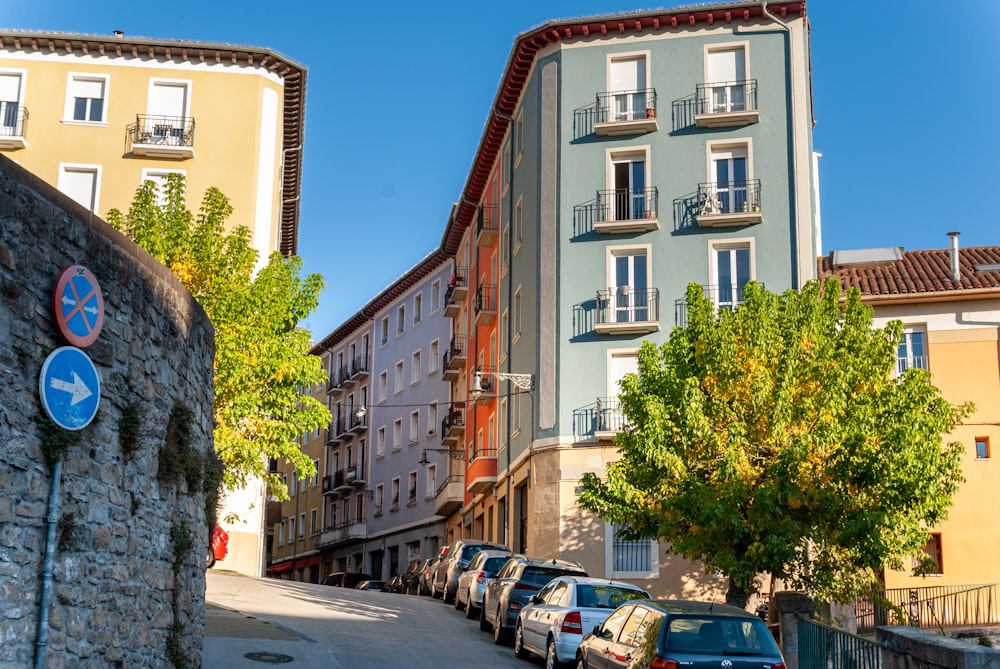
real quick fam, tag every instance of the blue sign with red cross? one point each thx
(78, 305)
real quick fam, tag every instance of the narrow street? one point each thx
(334, 627)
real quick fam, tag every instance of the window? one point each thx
(82, 183)
(313, 526)
(932, 560)
(627, 85)
(627, 558)
(519, 137)
(415, 367)
(518, 224)
(628, 281)
(490, 434)
(379, 498)
(432, 417)
(399, 376)
(731, 189)
(515, 406)
(517, 313)
(293, 487)
(303, 485)
(504, 318)
(504, 166)
(400, 320)
(414, 427)
(505, 249)
(732, 268)
(291, 529)
(435, 296)
(628, 181)
(431, 480)
(385, 331)
(11, 92)
(418, 307)
(435, 353)
(395, 492)
(380, 442)
(383, 386)
(281, 533)
(412, 490)
(397, 434)
(315, 478)
(85, 98)
(982, 448)
(167, 108)
(726, 76)
(913, 349)
(502, 424)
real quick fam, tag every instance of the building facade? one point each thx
(95, 116)
(949, 303)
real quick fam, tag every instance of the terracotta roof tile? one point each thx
(917, 272)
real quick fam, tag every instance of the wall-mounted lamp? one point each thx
(481, 383)
(455, 455)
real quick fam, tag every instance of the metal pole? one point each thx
(50, 551)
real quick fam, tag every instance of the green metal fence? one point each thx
(825, 647)
(929, 607)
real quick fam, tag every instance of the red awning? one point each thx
(278, 568)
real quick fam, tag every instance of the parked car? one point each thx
(218, 547)
(411, 577)
(552, 623)
(472, 582)
(395, 584)
(519, 579)
(345, 579)
(371, 585)
(427, 575)
(679, 633)
(446, 573)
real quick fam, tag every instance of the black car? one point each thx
(666, 634)
(444, 583)
(519, 580)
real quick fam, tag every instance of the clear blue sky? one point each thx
(906, 99)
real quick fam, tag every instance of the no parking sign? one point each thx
(78, 305)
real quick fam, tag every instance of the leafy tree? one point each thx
(775, 439)
(261, 356)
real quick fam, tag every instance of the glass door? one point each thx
(732, 268)
(629, 188)
(730, 171)
(628, 89)
(631, 288)
(727, 79)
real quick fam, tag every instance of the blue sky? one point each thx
(906, 95)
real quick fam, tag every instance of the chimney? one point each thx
(119, 33)
(955, 274)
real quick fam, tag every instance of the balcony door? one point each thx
(619, 364)
(628, 89)
(166, 109)
(631, 287)
(629, 187)
(729, 169)
(10, 100)
(732, 272)
(727, 74)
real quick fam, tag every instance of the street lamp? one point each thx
(455, 455)
(481, 383)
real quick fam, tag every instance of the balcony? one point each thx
(162, 136)
(623, 311)
(486, 227)
(454, 358)
(450, 496)
(481, 474)
(905, 362)
(458, 290)
(729, 204)
(357, 424)
(351, 531)
(359, 369)
(627, 210)
(608, 417)
(13, 126)
(726, 296)
(348, 479)
(726, 104)
(626, 113)
(452, 427)
(333, 433)
(327, 485)
(485, 305)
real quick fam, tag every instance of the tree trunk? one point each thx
(737, 595)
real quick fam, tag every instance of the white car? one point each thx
(472, 583)
(553, 623)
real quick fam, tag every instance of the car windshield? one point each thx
(605, 596)
(719, 636)
(470, 551)
(493, 564)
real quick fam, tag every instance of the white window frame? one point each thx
(411, 482)
(431, 480)
(383, 386)
(379, 498)
(400, 320)
(96, 170)
(432, 418)
(416, 367)
(394, 500)
(399, 376)
(912, 360)
(436, 296)
(313, 519)
(518, 316)
(519, 138)
(162, 81)
(315, 478)
(71, 78)
(643, 55)
(504, 317)
(380, 442)
(158, 176)
(502, 425)
(612, 253)
(414, 427)
(729, 244)
(384, 341)
(434, 354)
(716, 47)
(418, 308)
(397, 434)
(518, 231)
(609, 558)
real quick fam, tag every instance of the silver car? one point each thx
(472, 583)
(553, 622)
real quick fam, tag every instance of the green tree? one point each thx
(262, 357)
(775, 439)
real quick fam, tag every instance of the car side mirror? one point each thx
(537, 600)
(598, 632)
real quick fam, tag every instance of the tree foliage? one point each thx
(776, 439)
(261, 355)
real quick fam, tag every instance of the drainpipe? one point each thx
(50, 551)
(956, 275)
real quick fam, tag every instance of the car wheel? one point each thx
(499, 631)
(551, 659)
(446, 598)
(211, 559)
(484, 624)
(580, 662)
(458, 603)
(471, 612)
(434, 591)
(519, 650)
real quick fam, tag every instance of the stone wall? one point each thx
(123, 594)
(912, 648)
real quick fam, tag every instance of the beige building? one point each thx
(95, 115)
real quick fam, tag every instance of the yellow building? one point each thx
(949, 303)
(95, 115)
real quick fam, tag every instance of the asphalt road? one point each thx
(321, 626)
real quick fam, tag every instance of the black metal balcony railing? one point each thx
(13, 120)
(627, 204)
(456, 349)
(626, 305)
(608, 415)
(163, 130)
(359, 366)
(732, 197)
(619, 106)
(452, 419)
(726, 96)
(487, 219)
(726, 296)
(456, 281)
(486, 298)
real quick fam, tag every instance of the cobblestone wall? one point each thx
(116, 587)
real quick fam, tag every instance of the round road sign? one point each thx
(78, 305)
(70, 388)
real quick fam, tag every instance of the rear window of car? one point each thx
(470, 551)
(539, 576)
(716, 636)
(606, 596)
(493, 564)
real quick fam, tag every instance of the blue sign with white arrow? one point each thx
(70, 388)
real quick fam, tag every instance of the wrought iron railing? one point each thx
(487, 219)
(359, 365)
(625, 305)
(486, 298)
(627, 204)
(728, 296)
(457, 280)
(621, 106)
(929, 607)
(13, 120)
(456, 349)
(608, 415)
(726, 96)
(452, 419)
(728, 197)
(163, 130)
(829, 647)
